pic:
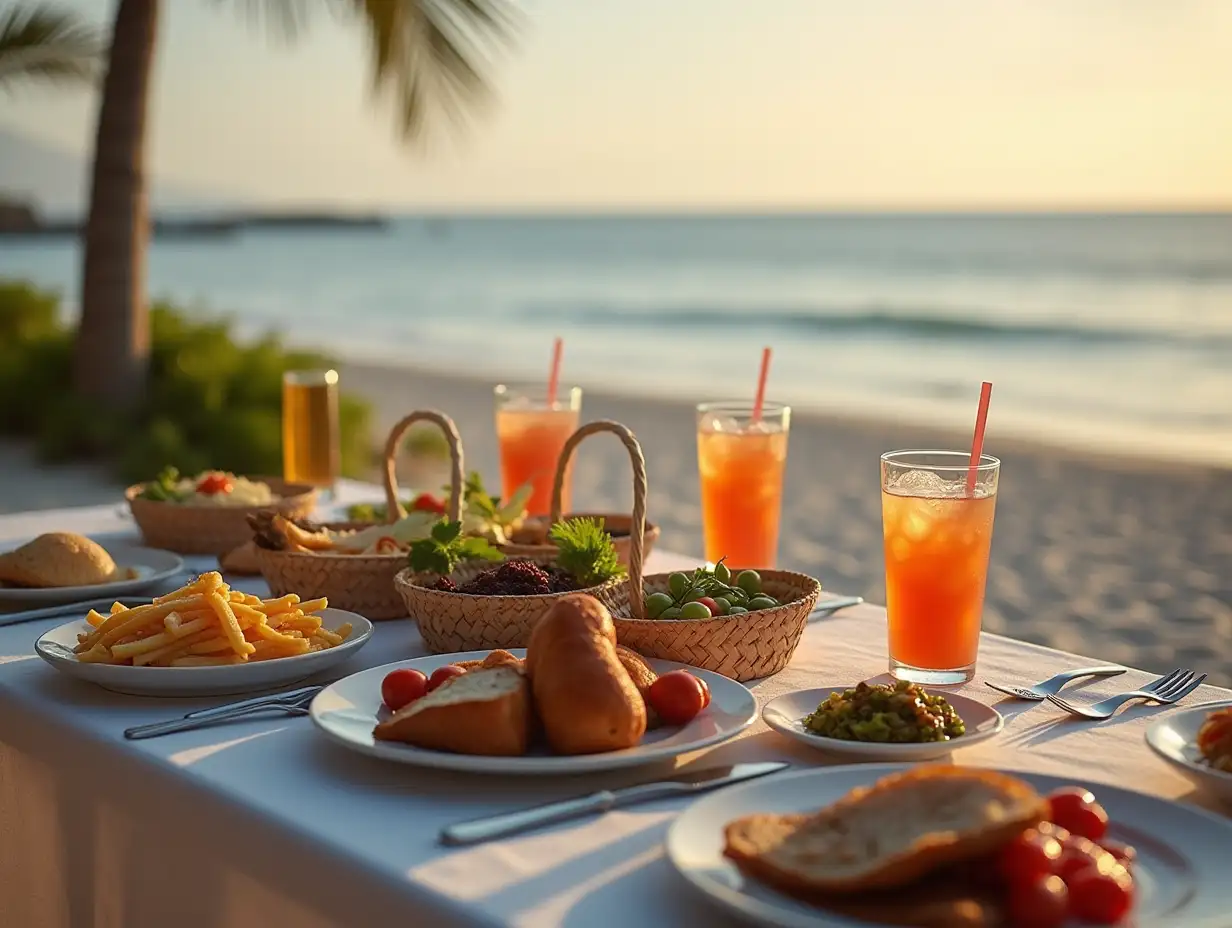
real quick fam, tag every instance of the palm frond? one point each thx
(432, 55)
(40, 42)
(284, 19)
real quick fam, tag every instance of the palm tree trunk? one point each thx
(113, 341)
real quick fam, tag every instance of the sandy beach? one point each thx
(1120, 559)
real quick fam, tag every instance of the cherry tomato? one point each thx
(403, 686)
(709, 603)
(1101, 898)
(1081, 854)
(1028, 858)
(677, 696)
(441, 674)
(1124, 853)
(215, 483)
(1076, 810)
(426, 502)
(1042, 903)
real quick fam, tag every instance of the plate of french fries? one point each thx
(204, 639)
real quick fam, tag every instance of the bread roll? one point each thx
(57, 559)
(585, 699)
(485, 711)
(886, 835)
(642, 675)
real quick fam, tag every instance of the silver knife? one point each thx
(79, 608)
(692, 781)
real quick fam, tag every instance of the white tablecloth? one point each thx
(263, 823)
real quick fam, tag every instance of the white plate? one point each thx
(347, 711)
(56, 647)
(1174, 738)
(1181, 869)
(151, 564)
(785, 713)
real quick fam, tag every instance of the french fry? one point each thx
(206, 624)
(231, 627)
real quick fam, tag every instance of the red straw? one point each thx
(554, 374)
(977, 442)
(761, 384)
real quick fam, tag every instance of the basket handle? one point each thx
(393, 505)
(638, 532)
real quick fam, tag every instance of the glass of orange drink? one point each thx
(310, 442)
(937, 537)
(740, 460)
(531, 431)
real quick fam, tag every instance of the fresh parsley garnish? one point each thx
(585, 549)
(445, 548)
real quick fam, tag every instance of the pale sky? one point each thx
(715, 104)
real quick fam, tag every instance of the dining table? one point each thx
(264, 822)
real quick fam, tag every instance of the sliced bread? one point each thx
(484, 711)
(888, 834)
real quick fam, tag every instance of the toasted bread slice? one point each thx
(485, 711)
(888, 834)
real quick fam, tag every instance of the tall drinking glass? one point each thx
(740, 461)
(311, 450)
(531, 432)
(937, 539)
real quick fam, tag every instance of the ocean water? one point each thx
(1109, 332)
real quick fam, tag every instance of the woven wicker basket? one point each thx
(618, 523)
(460, 622)
(743, 647)
(363, 583)
(194, 529)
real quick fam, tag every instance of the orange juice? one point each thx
(531, 435)
(937, 542)
(310, 446)
(741, 468)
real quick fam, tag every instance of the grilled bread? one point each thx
(485, 711)
(57, 559)
(886, 835)
(496, 658)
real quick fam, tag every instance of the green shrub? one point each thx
(210, 401)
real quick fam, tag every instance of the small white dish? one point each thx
(346, 712)
(786, 713)
(1174, 738)
(152, 566)
(1181, 869)
(56, 648)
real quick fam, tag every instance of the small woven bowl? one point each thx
(452, 622)
(617, 522)
(742, 647)
(362, 583)
(195, 529)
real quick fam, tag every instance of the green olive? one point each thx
(678, 583)
(723, 604)
(761, 602)
(749, 581)
(656, 603)
(737, 610)
(695, 611)
(722, 573)
(671, 612)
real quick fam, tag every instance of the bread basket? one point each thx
(362, 583)
(618, 524)
(461, 622)
(188, 528)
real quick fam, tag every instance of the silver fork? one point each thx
(1053, 685)
(1167, 690)
(293, 703)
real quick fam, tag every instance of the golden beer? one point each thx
(310, 445)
